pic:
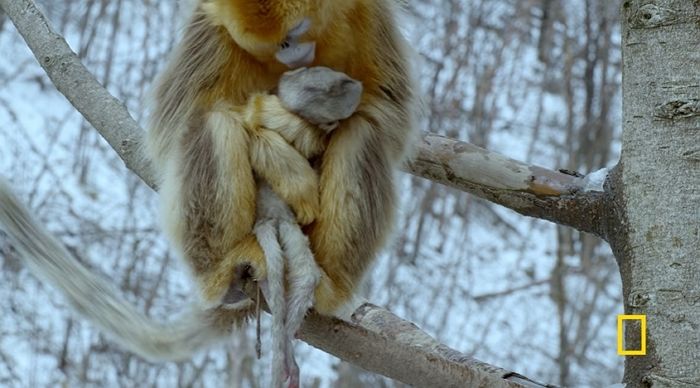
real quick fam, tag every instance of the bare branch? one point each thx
(379, 341)
(107, 114)
(530, 190)
(386, 344)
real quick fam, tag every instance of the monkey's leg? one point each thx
(357, 209)
(231, 280)
(288, 173)
(217, 199)
(276, 225)
(208, 199)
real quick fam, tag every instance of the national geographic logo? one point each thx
(642, 335)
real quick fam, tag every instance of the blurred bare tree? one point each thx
(537, 80)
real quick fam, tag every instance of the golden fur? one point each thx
(205, 141)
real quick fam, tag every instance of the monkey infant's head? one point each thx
(319, 95)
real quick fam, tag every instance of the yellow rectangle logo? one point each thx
(620, 335)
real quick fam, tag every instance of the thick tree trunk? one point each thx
(656, 190)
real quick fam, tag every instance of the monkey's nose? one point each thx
(297, 55)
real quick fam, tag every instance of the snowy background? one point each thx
(532, 79)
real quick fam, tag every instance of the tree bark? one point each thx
(655, 233)
(383, 343)
(564, 198)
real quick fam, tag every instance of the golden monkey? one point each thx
(101, 302)
(205, 143)
(234, 50)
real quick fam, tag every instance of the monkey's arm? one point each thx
(287, 171)
(357, 199)
(309, 104)
(266, 113)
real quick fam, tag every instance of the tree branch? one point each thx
(106, 113)
(383, 343)
(378, 340)
(529, 190)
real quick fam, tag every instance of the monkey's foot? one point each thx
(292, 370)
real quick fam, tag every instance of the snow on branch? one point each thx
(564, 198)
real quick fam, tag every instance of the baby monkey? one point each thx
(319, 95)
(322, 97)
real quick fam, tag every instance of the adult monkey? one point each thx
(235, 49)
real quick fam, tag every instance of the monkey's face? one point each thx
(266, 28)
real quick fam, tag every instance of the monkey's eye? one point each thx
(314, 89)
(347, 82)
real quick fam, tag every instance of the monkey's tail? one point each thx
(98, 299)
